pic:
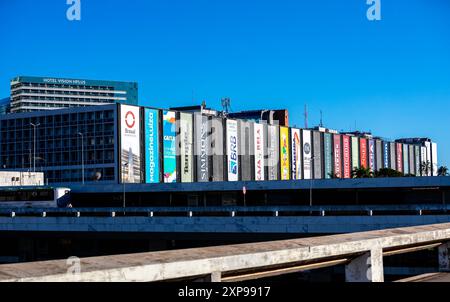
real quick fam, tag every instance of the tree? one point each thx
(443, 171)
(387, 172)
(362, 173)
(425, 168)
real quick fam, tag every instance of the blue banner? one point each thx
(169, 150)
(151, 146)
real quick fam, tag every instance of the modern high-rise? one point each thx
(41, 93)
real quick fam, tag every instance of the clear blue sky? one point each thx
(391, 77)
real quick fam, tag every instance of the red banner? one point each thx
(346, 155)
(363, 152)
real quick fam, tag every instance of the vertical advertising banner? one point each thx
(412, 166)
(434, 159)
(169, 146)
(423, 160)
(259, 151)
(379, 154)
(405, 153)
(202, 147)
(307, 154)
(284, 153)
(232, 146)
(428, 160)
(346, 156)
(296, 155)
(393, 156)
(363, 152)
(317, 151)
(328, 155)
(246, 150)
(355, 153)
(337, 155)
(417, 161)
(130, 145)
(386, 155)
(399, 155)
(217, 149)
(186, 147)
(372, 155)
(273, 152)
(151, 129)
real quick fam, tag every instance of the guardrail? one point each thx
(322, 210)
(361, 253)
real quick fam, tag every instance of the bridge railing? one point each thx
(361, 253)
(317, 210)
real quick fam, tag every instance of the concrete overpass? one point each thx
(361, 253)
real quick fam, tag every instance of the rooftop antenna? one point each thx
(321, 119)
(226, 106)
(203, 106)
(306, 116)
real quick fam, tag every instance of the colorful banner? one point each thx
(363, 152)
(337, 155)
(372, 155)
(346, 156)
(186, 147)
(232, 150)
(317, 154)
(399, 155)
(284, 153)
(307, 154)
(169, 147)
(328, 155)
(130, 152)
(151, 129)
(259, 144)
(296, 155)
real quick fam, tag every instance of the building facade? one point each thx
(62, 144)
(121, 143)
(40, 93)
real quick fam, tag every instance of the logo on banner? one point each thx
(307, 148)
(233, 155)
(130, 119)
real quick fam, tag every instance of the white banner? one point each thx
(296, 154)
(130, 150)
(306, 154)
(232, 150)
(259, 151)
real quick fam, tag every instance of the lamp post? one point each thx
(34, 145)
(124, 204)
(82, 156)
(310, 183)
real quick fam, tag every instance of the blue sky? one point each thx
(390, 76)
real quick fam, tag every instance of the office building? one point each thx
(41, 93)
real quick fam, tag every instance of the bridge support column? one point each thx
(366, 268)
(444, 260)
(214, 277)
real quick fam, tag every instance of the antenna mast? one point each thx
(226, 106)
(306, 116)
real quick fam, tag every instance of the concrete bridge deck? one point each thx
(361, 252)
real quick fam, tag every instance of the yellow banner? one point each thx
(284, 153)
